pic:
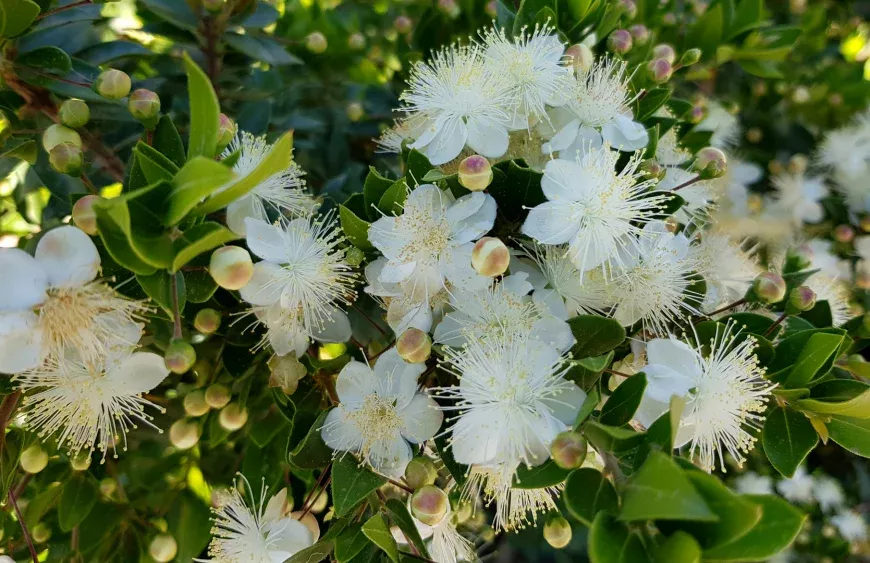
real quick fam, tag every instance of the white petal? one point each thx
(649, 411)
(674, 354)
(275, 506)
(422, 418)
(393, 272)
(396, 377)
(551, 302)
(563, 139)
(465, 207)
(487, 138)
(264, 288)
(625, 134)
(354, 383)
(139, 373)
(522, 265)
(240, 210)
(517, 284)
(566, 405)
(477, 224)
(20, 342)
(401, 317)
(447, 143)
(285, 341)
(551, 223)
(391, 457)
(68, 256)
(561, 180)
(22, 280)
(265, 240)
(555, 332)
(663, 382)
(340, 433)
(475, 438)
(336, 328)
(294, 536)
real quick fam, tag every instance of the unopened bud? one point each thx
(652, 169)
(801, 299)
(33, 459)
(630, 8)
(286, 371)
(83, 215)
(800, 95)
(356, 41)
(619, 41)
(835, 99)
(74, 113)
(108, 487)
(492, 8)
(664, 51)
(180, 356)
(414, 346)
(581, 55)
(226, 132)
(57, 134)
(669, 19)
(475, 173)
(40, 533)
(799, 257)
(690, 57)
(568, 450)
(844, 233)
(231, 267)
(233, 417)
(355, 111)
(163, 548)
(316, 43)
(449, 8)
(759, 89)
(769, 288)
(697, 113)
(67, 158)
(659, 71)
(640, 33)
(184, 434)
(112, 84)
(81, 460)
(195, 403)
(865, 223)
(711, 163)
(403, 24)
(207, 320)
(557, 531)
(144, 106)
(490, 257)
(217, 395)
(429, 504)
(798, 164)
(754, 135)
(420, 472)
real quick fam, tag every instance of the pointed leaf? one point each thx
(788, 437)
(660, 490)
(624, 400)
(204, 112)
(588, 492)
(376, 529)
(351, 483)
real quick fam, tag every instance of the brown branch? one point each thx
(24, 529)
(399, 484)
(64, 8)
(726, 307)
(688, 183)
(775, 324)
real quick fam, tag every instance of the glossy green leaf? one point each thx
(851, 433)
(680, 547)
(651, 101)
(374, 189)
(76, 501)
(393, 199)
(168, 142)
(204, 112)
(16, 16)
(190, 525)
(198, 178)
(154, 165)
(311, 452)
(351, 483)
(844, 397)
(48, 59)
(355, 229)
(350, 543)
(611, 542)
(158, 286)
(813, 358)
(456, 469)
(548, 474)
(788, 437)
(26, 151)
(402, 518)
(623, 402)
(315, 553)
(198, 240)
(588, 492)
(779, 525)
(261, 48)
(377, 530)
(593, 397)
(660, 490)
(595, 335)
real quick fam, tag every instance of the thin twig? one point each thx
(24, 529)
(726, 307)
(775, 324)
(399, 484)
(619, 373)
(369, 319)
(687, 183)
(64, 8)
(88, 184)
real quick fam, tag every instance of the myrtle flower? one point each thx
(724, 125)
(669, 152)
(734, 186)
(799, 197)
(727, 269)
(504, 310)
(823, 258)
(446, 544)
(592, 208)
(598, 112)
(255, 532)
(295, 288)
(725, 394)
(89, 406)
(380, 412)
(836, 292)
(427, 250)
(799, 488)
(282, 193)
(846, 152)
(52, 301)
(751, 483)
(828, 493)
(698, 196)
(463, 101)
(533, 63)
(512, 400)
(851, 526)
(407, 128)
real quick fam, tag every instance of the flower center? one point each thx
(377, 421)
(430, 235)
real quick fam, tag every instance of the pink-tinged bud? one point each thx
(195, 404)
(620, 41)
(711, 163)
(769, 288)
(83, 215)
(226, 131)
(697, 113)
(664, 51)
(316, 43)
(179, 357)
(568, 450)
(581, 57)
(33, 460)
(356, 41)
(449, 8)
(475, 173)
(557, 531)
(112, 84)
(630, 8)
(659, 71)
(286, 371)
(640, 33)
(403, 24)
(184, 434)
(163, 548)
(207, 320)
(74, 113)
(67, 158)
(231, 267)
(492, 8)
(414, 346)
(144, 105)
(844, 233)
(57, 134)
(429, 504)
(652, 169)
(217, 395)
(669, 19)
(420, 472)
(801, 299)
(233, 417)
(490, 257)
(355, 111)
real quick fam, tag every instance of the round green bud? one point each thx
(414, 346)
(450, 8)
(83, 215)
(690, 57)
(769, 288)
(217, 395)
(640, 33)
(568, 450)
(113, 84)
(195, 403)
(490, 257)
(179, 356)
(420, 472)
(801, 256)
(231, 267)
(144, 105)
(429, 504)
(207, 320)
(40, 533)
(163, 548)
(620, 41)
(67, 158)
(354, 256)
(629, 7)
(81, 460)
(233, 417)
(581, 56)
(355, 111)
(356, 41)
(711, 163)
(316, 43)
(57, 134)
(492, 9)
(801, 299)
(669, 19)
(557, 531)
(844, 233)
(652, 169)
(403, 24)
(286, 371)
(227, 129)
(664, 51)
(33, 459)
(108, 486)
(184, 434)
(659, 71)
(74, 113)
(856, 360)
(475, 173)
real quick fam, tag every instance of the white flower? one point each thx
(727, 269)
(512, 400)
(427, 250)
(822, 257)
(447, 545)
(88, 406)
(599, 111)
(799, 197)
(828, 493)
(846, 151)
(669, 152)
(259, 533)
(734, 186)
(698, 196)
(797, 489)
(296, 286)
(592, 208)
(50, 301)
(405, 129)
(281, 193)
(533, 63)
(725, 394)
(464, 102)
(851, 526)
(506, 311)
(724, 126)
(751, 483)
(380, 412)
(836, 292)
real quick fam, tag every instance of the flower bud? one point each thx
(799, 257)
(354, 256)
(356, 41)
(449, 8)
(57, 134)
(226, 131)
(490, 257)
(690, 57)
(286, 373)
(217, 395)
(33, 459)
(184, 434)
(83, 215)
(195, 403)
(355, 111)
(669, 19)
(640, 33)
(403, 24)
(581, 55)
(652, 169)
(420, 472)
(316, 43)
(231, 267)
(865, 223)
(179, 356)
(429, 504)
(67, 158)
(844, 233)
(754, 135)
(81, 460)
(630, 8)
(492, 9)
(40, 533)
(74, 113)
(108, 486)
(664, 51)
(144, 106)
(557, 531)
(207, 320)
(711, 163)
(475, 173)
(801, 299)
(835, 99)
(697, 113)
(659, 71)
(769, 288)
(568, 450)
(233, 417)
(801, 95)
(798, 164)
(414, 346)
(619, 41)
(112, 84)
(163, 548)
(759, 89)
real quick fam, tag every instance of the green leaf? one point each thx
(548, 474)
(378, 532)
(49, 59)
(844, 397)
(199, 283)
(851, 433)
(264, 430)
(612, 438)
(590, 403)
(611, 542)
(819, 349)
(788, 437)
(402, 518)
(315, 553)
(707, 32)
(595, 335)
(196, 180)
(350, 543)
(26, 151)
(204, 113)
(199, 239)
(76, 501)
(261, 48)
(417, 166)
(16, 16)
(588, 492)
(373, 190)
(41, 503)
(651, 102)
(355, 229)
(351, 483)
(680, 547)
(393, 199)
(789, 348)
(456, 469)
(118, 246)
(158, 286)
(189, 523)
(624, 400)
(779, 525)
(168, 142)
(749, 15)
(660, 490)
(311, 452)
